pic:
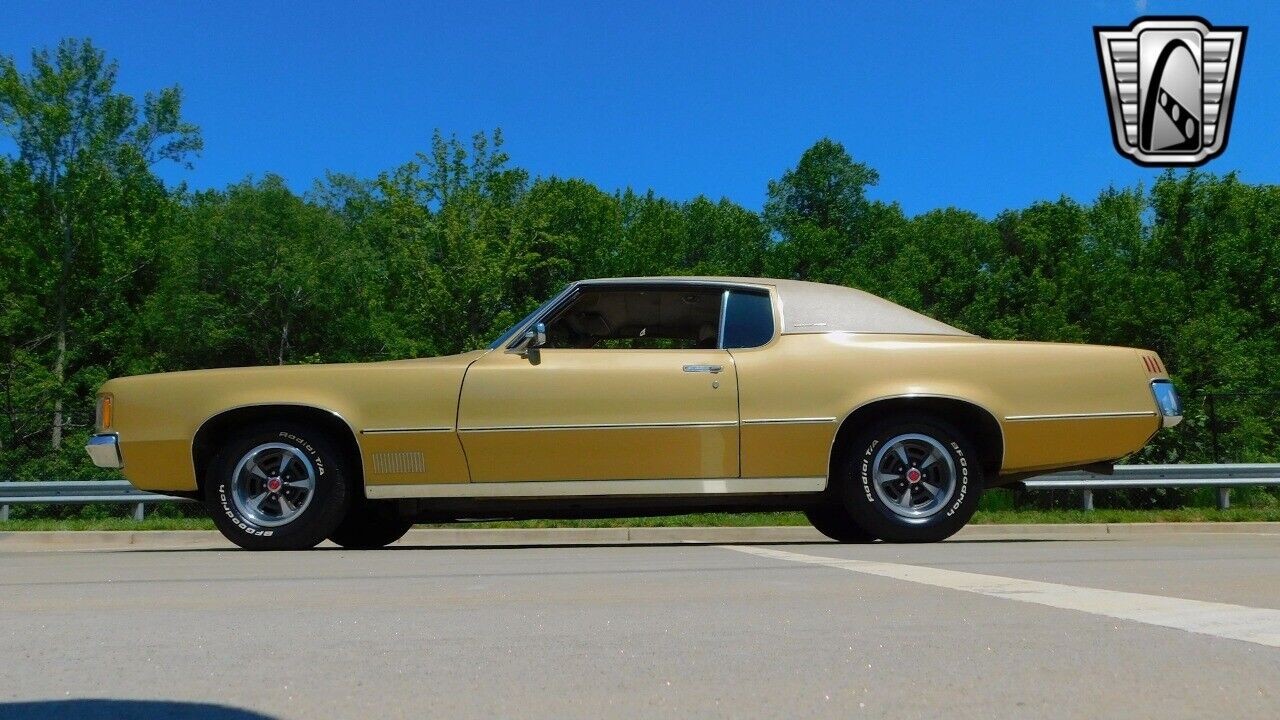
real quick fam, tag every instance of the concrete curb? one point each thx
(464, 537)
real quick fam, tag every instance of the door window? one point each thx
(639, 318)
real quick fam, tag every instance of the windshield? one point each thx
(506, 334)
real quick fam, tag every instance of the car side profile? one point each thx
(640, 396)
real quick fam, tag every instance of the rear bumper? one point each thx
(1167, 402)
(104, 450)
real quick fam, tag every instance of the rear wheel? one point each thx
(276, 486)
(371, 525)
(910, 479)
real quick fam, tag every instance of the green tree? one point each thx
(256, 275)
(89, 150)
(819, 209)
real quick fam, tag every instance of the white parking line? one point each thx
(1234, 622)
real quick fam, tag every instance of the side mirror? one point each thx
(532, 339)
(537, 337)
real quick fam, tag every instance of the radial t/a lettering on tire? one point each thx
(910, 479)
(276, 487)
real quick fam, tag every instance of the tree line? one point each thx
(105, 270)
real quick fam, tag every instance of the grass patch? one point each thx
(1191, 514)
(983, 517)
(107, 523)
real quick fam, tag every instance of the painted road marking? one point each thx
(1234, 622)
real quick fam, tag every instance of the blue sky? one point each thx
(983, 106)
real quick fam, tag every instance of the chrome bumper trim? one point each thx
(1167, 402)
(104, 450)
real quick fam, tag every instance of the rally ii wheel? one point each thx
(276, 487)
(910, 479)
(370, 525)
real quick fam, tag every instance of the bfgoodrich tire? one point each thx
(370, 525)
(910, 479)
(276, 486)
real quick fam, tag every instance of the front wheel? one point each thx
(276, 487)
(910, 479)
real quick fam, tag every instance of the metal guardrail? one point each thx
(78, 492)
(1222, 477)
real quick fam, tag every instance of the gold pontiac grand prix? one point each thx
(641, 396)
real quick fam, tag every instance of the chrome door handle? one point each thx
(713, 369)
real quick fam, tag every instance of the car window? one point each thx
(649, 318)
(748, 319)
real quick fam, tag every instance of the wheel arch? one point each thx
(978, 422)
(218, 428)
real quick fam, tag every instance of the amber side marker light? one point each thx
(102, 415)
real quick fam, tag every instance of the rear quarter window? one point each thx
(748, 320)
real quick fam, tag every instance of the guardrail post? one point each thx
(1086, 499)
(139, 512)
(1224, 498)
(4, 513)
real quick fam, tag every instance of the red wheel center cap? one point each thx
(913, 476)
(274, 484)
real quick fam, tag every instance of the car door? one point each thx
(570, 412)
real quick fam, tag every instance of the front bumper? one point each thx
(104, 450)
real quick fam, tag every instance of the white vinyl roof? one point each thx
(818, 308)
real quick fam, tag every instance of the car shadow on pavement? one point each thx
(585, 545)
(103, 709)
(472, 546)
(692, 543)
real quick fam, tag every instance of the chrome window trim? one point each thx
(552, 306)
(623, 283)
(589, 488)
(764, 284)
(775, 315)
(724, 315)
(1080, 416)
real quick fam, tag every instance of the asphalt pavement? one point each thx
(1170, 623)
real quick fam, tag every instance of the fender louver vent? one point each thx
(1153, 364)
(391, 463)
